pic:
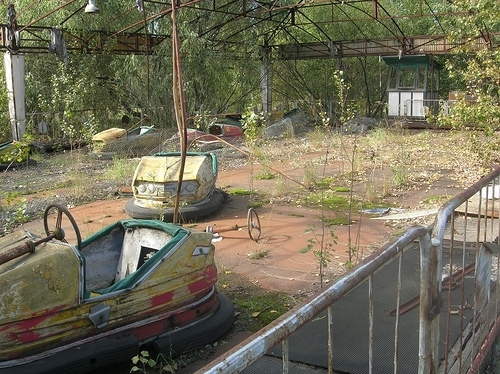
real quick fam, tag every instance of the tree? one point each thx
(222, 51)
(474, 68)
(475, 64)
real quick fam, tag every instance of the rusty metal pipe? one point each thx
(22, 249)
(226, 228)
(27, 247)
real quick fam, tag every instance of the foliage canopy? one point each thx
(222, 54)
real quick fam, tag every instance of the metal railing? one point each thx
(468, 225)
(458, 306)
(421, 109)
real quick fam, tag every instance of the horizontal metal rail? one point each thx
(247, 352)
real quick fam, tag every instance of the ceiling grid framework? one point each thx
(289, 29)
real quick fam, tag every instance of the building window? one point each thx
(407, 78)
(392, 81)
(422, 77)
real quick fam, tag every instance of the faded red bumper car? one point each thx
(136, 284)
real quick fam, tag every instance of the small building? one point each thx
(412, 86)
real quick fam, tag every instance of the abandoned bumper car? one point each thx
(114, 134)
(136, 284)
(156, 180)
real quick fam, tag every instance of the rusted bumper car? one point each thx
(136, 284)
(155, 184)
(106, 137)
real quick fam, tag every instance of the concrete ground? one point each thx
(275, 261)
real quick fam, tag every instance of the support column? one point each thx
(14, 78)
(266, 81)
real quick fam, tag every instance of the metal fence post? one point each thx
(330, 340)
(286, 355)
(430, 305)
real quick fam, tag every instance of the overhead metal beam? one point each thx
(36, 39)
(437, 44)
(280, 19)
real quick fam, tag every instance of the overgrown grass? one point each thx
(340, 189)
(335, 221)
(265, 176)
(401, 155)
(258, 310)
(12, 211)
(327, 199)
(241, 192)
(258, 254)
(281, 187)
(257, 199)
(324, 182)
(255, 307)
(121, 169)
(255, 204)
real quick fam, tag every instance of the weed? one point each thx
(14, 213)
(371, 192)
(203, 120)
(347, 109)
(255, 204)
(341, 189)
(253, 124)
(265, 176)
(240, 192)
(256, 307)
(310, 174)
(400, 176)
(436, 199)
(318, 138)
(351, 250)
(258, 254)
(321, 248)
(258, 310)
(371, 205)
(20, 150)
(256, 201)
(387, 187)
(120, 169)
(328, 200)
(378, 136)
(324, 182)
(281, 187)
(143, 363)
(349, 264)
(335, 221)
